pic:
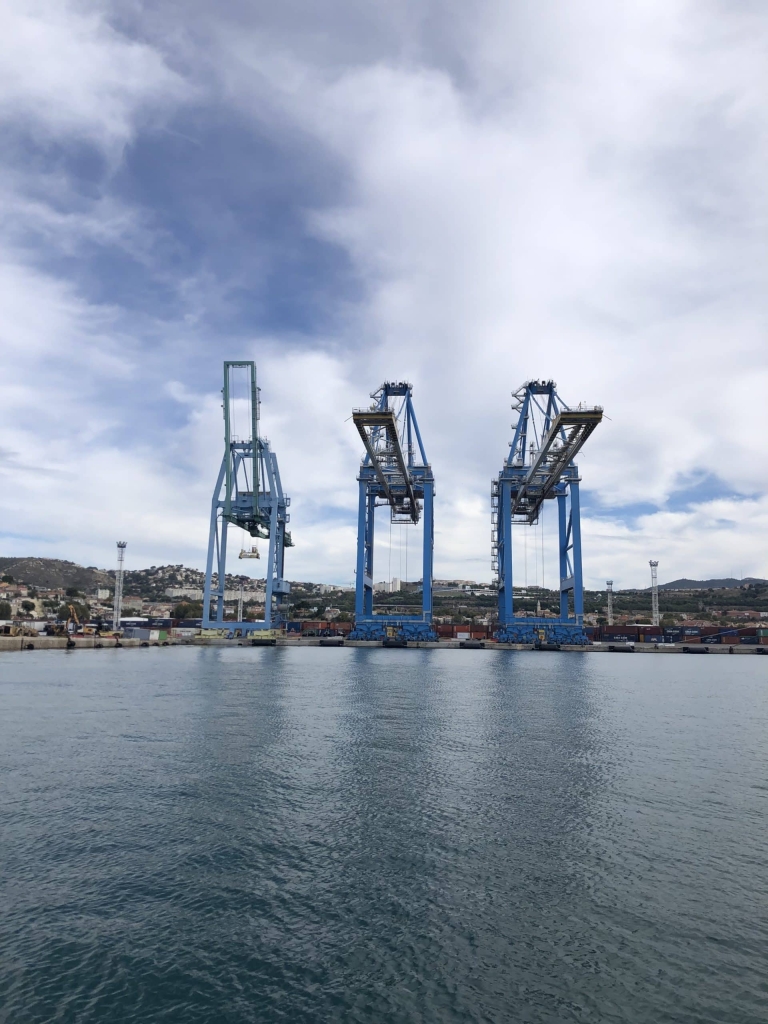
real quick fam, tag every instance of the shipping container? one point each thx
(294, 627)
(135, 633)
(747, 631)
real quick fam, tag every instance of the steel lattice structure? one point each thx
(548, 436)
(248, 494)
(394, 472)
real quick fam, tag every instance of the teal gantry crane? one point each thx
(394, 472)
(248, 494)
(540, 466)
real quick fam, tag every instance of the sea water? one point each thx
(309, 835)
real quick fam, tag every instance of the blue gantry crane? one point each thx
(394, 472)
(539, 467)
(248, 494)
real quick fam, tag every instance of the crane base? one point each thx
(416, 631)
(551, 633)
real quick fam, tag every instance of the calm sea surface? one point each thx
(277, 834)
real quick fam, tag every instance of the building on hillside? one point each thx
(160, 611)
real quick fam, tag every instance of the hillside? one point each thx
(725, 584)
(54, 572)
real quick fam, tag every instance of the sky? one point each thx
(464, 195)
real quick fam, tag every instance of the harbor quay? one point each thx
(54, 643)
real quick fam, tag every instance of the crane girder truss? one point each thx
(540, 465)
(559, 447)
(379, 434)
(248, 494)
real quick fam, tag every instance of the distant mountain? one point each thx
(54, 572)
(726, 584)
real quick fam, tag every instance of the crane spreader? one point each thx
(540, 466)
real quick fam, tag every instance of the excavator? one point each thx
(72, 624)
(72, 620)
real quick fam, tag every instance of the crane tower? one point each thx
(548, 436)
(248, 494)
(394, 472)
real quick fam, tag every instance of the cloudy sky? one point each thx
(464, 194)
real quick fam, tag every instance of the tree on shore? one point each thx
(188, 610)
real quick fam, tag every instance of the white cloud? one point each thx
(593, 211)
(64, 69)
(531, 190)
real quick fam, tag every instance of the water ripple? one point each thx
(372, 836)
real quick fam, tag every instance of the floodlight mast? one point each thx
(117, 608)
(248, 494)
(394, 472)
(548, 436)
(655, 618)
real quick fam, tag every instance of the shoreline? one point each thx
(51, 643)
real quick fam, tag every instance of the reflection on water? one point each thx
(374, 835)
